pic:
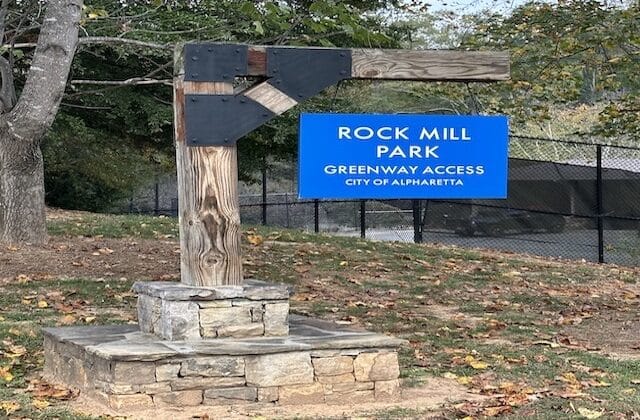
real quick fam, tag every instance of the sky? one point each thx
(472, 6)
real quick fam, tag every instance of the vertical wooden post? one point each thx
(209, 210)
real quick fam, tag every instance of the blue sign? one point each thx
(402, 156)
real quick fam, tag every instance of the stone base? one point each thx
(174, 311)
(319, 362)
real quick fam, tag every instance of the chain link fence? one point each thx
(565, 199)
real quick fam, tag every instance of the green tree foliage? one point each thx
(124, 130)
(564, 54)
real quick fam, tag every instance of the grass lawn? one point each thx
(540, 338)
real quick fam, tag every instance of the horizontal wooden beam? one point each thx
(427, 65)
(432, 65)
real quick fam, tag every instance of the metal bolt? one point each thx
(265, 114)
(237, 68)
(237, 50)
(242, 101)
(343, 72)
(225, 99)
(226, 140)
(225, 76)
(343, 54)
(210, 49)
(195, 75)
(194, 58)
(274, 71)
(194, 100)
(300, 95)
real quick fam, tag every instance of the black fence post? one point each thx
(599, 204)
(264, 195)
(156, 198)
(316, 216)
(417, 226)
(363, 219)
(286, 208)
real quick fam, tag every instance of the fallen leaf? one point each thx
(474, 363)
(590, 414)
(9, 407)
(22, 278)
(40, 404)
(42, 304)
(41, 390)
(465, 380)
(67, 320)
(15, 351)
(495, 411)
(255, 239)
(450, 375)
(547, 343)
(5, 374)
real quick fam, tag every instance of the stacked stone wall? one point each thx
(344, 376)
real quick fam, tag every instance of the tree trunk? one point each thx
(22, 216)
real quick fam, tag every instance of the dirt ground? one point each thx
(613, 332)
(92, 258)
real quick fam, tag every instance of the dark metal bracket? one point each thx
(220, 120)
(303, 73)
(214, 62)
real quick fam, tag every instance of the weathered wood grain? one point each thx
(209, 210)
(207, 88)
(257, 61)
(271, 98)
(433, 65)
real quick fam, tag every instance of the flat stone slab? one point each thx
(319, 362)
(127, 343)
(251, 290)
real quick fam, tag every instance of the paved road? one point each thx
(621, 247)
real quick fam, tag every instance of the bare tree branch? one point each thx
(92, 108)
(116, 40)
(20, 45)
(4, 7)
(134, 81)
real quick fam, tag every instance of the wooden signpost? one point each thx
(167, 359)
(210, 117)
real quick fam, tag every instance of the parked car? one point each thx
(497, 221)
